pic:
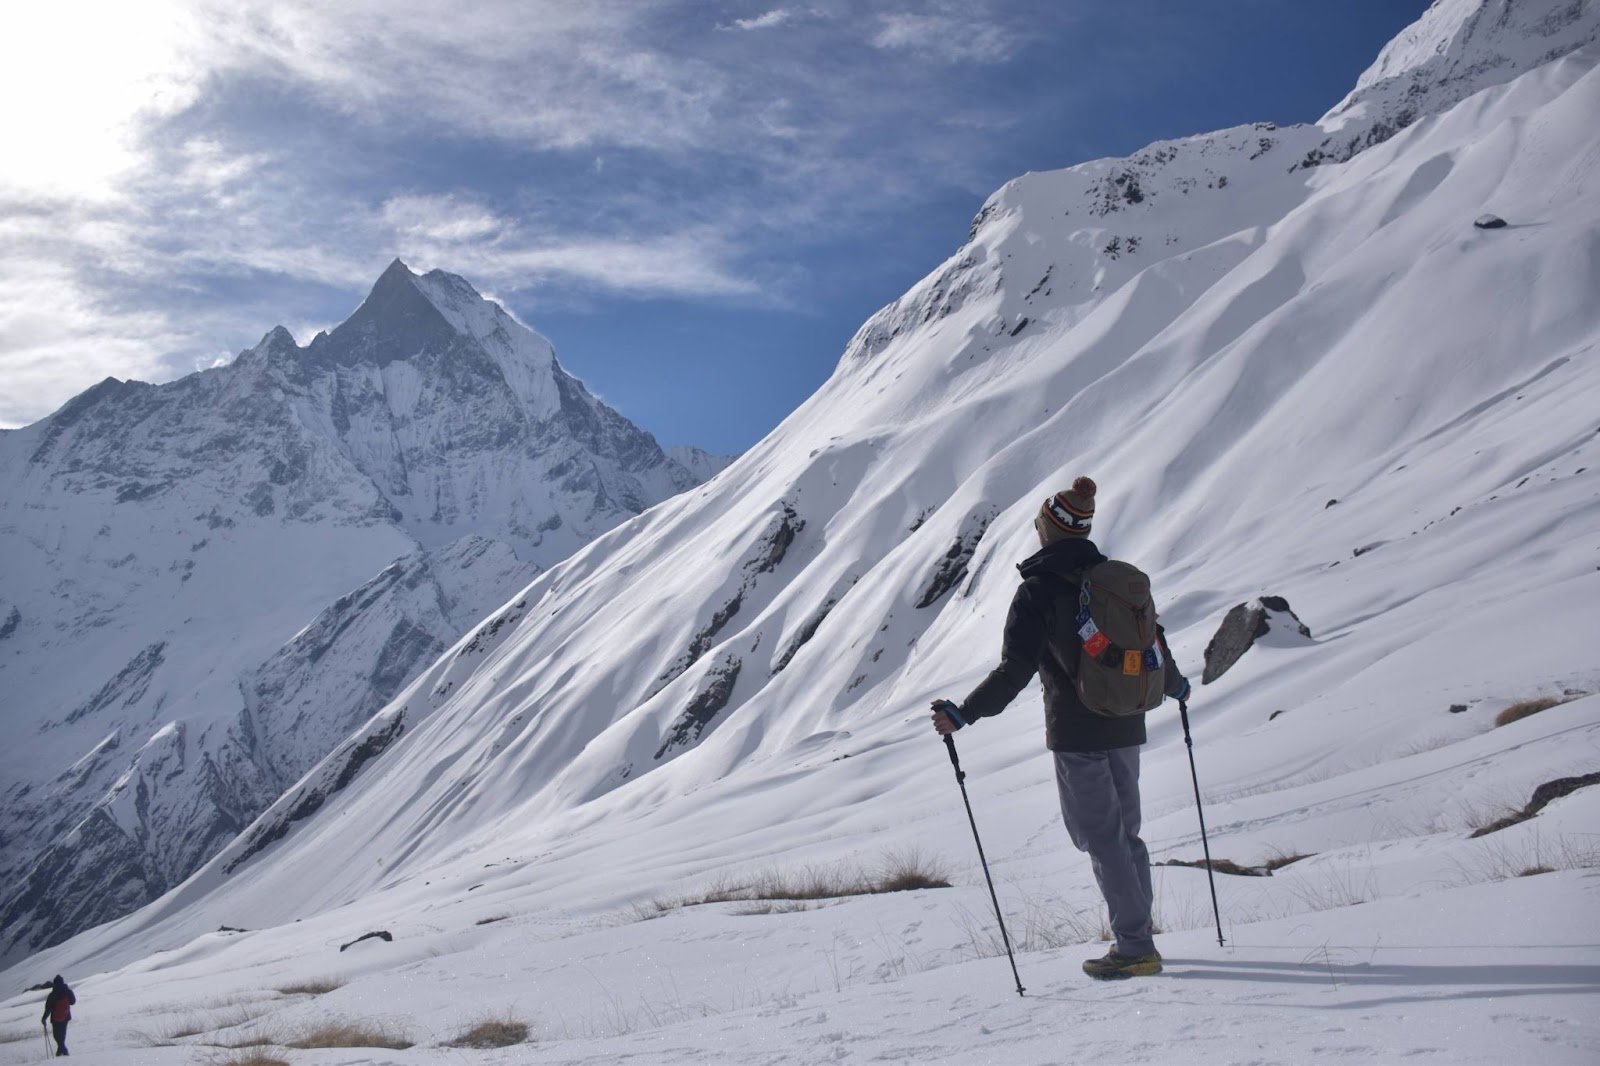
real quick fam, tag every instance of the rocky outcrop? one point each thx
(802, 638)
(952, 566)
(713, 696)
(1246, 624)
(763, 558)
(1543, 796)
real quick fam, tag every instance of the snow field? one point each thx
(1397, 915)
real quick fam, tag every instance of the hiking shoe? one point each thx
(1112, 965)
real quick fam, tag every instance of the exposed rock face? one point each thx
(209, 584)
(713, 697)
(763, 558)
(955, 561)
(1243, 626)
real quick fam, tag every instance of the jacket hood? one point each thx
(1062, 558)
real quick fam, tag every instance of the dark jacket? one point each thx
(58, 991)
(1041, 638)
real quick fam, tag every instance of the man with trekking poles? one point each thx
(1087, 626)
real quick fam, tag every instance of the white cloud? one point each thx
(776, 17)
(948, 36)
(684, 265)
(205, 165)
(442, 218)
(545, 73)
(57, 337)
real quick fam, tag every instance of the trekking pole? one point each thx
(47, 1048)
(1183, 713)
(961, 779)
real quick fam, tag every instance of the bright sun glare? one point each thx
(76, 79)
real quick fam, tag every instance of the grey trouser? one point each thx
(1100, 804)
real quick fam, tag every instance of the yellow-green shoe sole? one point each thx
(1141, 966)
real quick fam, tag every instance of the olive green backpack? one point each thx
(1121, 668)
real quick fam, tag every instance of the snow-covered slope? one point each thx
(1316, 382)
(173, 655)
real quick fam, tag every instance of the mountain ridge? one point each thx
(167, 545)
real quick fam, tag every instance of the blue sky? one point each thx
(697, 202)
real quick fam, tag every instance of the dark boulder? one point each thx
(379, 934)
(1489, 222)
(1244, 625)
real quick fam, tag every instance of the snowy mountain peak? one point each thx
(440, 318)
(202, 554)
(278, 341)
(1457, 48)
(395, 323)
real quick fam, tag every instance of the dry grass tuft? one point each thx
(1228, 866)
(347, 1034)
(1503, 858)
(250, 1038)
(492, 1032)
(197, 1023)
(1282, 859)
(908, 871)
(898, 871)
(1335, 886)
(1040, 926)
(1528, 708)
(1221, 866)
(792, 906)
(315, 987)
(249, 1057)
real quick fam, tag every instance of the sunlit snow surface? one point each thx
(1284, 339)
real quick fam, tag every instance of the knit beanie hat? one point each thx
(1067, 514)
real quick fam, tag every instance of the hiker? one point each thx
(58, 1012)
(1096, 754)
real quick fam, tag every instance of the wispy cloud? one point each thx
(443, 219)
(952, 35)
(262, 159)
(776, 17)
(49, 317)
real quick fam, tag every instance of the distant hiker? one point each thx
(58, 1012)
(1087, 627)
